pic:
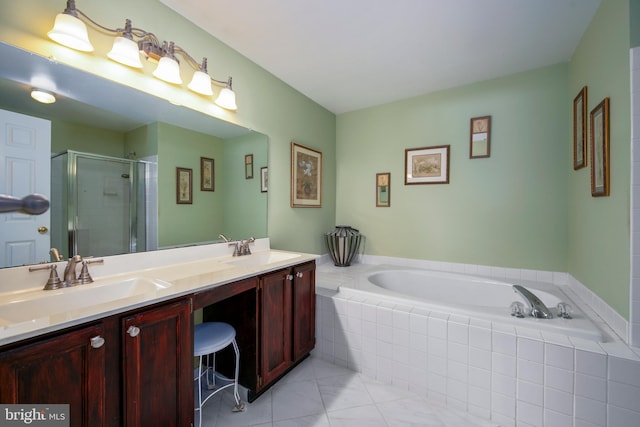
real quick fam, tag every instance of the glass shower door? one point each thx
(104, 206)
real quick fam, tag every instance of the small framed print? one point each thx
(480, 140)
(248, 166)
(207, 176)
(383, 190)
(599, 144)
(580, 129)
(306, 177)
(184, 186)
(428, 165)
(263, 179)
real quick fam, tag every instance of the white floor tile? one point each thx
(319, 394)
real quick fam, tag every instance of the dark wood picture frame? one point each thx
(580, 129)
(248, 166)
(264, 173)
(184, 186)
(599, 147)
(383, 190)
(480, 137)
(207, 174)
(426, 165)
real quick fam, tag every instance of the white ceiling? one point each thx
(352, 54)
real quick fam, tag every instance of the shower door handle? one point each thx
(42, 229)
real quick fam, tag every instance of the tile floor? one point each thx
(318, 393)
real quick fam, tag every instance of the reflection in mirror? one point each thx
(119, 125)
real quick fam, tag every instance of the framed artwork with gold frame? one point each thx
(306, 177)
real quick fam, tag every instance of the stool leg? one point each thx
(200, 390)
(239, 405)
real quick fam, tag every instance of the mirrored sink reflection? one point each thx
(262, 258)
(40, 304)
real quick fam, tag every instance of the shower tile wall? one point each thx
(483, 368)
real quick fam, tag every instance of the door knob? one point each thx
(42, 229)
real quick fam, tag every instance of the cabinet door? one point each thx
(275, 325)
(158, 366)
(304, 310)
(68, 369)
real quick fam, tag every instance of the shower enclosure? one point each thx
(102, 205)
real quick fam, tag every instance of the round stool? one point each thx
(209, 338)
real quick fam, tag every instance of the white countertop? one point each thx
(61, 308)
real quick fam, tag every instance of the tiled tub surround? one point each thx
(514, 376)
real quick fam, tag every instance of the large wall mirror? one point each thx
(112, 144)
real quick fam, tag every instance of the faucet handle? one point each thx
(85, 277)
(55, 254)
(54, 281)
(236, 249)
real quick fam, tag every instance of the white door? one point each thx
(25, 164)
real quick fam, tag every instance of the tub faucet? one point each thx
(538, 309)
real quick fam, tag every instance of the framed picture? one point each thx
(248, 166)
(306, 177)
(480, 139)
(599, 142)
(184, 186)
(428, 165)
(580, 129)
(263, 179)
(207, 176)
(383, 190)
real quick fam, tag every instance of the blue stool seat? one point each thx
(208, 339)
(211, 337)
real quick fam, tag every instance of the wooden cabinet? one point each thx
(138, 364)
(68, 368)
(274, 319)
(303, 304)
(287, 319)
(157, 366)
(274, 295)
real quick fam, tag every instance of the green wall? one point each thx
(245, 206)
(200, 221)
(265, 103)
(507, 210)
(599, 227)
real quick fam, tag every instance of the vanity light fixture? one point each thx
(43, 96)
(130, 43)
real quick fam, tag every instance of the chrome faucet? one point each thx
(538, 309)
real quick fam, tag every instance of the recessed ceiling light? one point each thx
(43, 96)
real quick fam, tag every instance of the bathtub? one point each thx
(467, 295)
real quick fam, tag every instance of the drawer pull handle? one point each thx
(299, 274)
(289, 276)
(133, 331)
(97, 341)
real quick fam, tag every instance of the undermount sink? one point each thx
(262, 258)
(40, 304)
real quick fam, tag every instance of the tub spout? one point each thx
(538, 309)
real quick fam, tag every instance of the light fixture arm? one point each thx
(148, 44)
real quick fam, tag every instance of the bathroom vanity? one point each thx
(132, 364)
